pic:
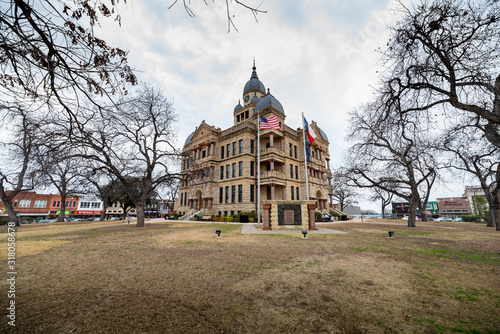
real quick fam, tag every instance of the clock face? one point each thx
(247, 98)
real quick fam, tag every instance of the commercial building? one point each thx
(453, 206)
(29, 204)
(220, 167)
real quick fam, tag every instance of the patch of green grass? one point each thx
(446, 253)
(359, 249)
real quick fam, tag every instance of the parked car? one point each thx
(444, 219)
(45, 221)
(457, 219)
(407, 217)
(79, 220)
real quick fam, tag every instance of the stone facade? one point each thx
(219, 167)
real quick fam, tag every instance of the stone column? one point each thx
(190, 203)
(212, 145)
(283, 196)
(271, 139)
(328, 163)
(272, 192)
(210, 199)
(272, 164)
(265, 217)
(312, 222)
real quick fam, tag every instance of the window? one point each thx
(58, 204)
(234, 149)
(240, 169)
(246, 114)
(228, 172)
(292, 192)
(297, 190)
(238, 118)
(84, 205)
(252, 193)
(74, 204)
(228, 150)
(252, 146)
(222, 152)
(221, 194)
(40, 204)
(234, 169)
(290, 149)
(297, 172)
(241, 146)
(240, 193)
(203, 154)
(222, 172)
(24, 203)
(227, 194)
(291, 171)
(295, 151)
(96, 205)
(268, 166)
(252, 168)
(233, 194)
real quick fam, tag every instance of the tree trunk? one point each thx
(62, 212)
(383, 210)
(496, 206)
(104, 208)
(140, 214)
(12, 213)
(413, 214)
(491, 216)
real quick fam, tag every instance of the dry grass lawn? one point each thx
(178, 278)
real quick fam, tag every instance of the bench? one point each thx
(218, 219)
(206, 218)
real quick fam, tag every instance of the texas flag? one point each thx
(309, 131)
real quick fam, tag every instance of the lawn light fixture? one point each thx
(218, 232)
(391, 233)
(304, 232)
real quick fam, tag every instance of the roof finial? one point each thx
(254, 68)
(269, 91)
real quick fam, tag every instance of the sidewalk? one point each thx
(252, 228)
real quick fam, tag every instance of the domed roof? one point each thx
(268, 101)
(254, 83)
(238, 107)
(254, 99)
(322, 133)
(189, 138)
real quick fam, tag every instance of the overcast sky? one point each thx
(317, 57)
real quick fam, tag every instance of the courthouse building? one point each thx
(219, 167)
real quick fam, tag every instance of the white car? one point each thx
(407, 217)
(444, 219)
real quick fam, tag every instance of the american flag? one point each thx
(269, 123)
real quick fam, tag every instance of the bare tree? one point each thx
(473, 154)
(59, 170)
(446, 53)
(390, 154)
(344, 193)
(16, 166)
(135, 143)
(385, 198)
(50, 56)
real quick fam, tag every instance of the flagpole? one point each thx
(305, 155)
(258, 171)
